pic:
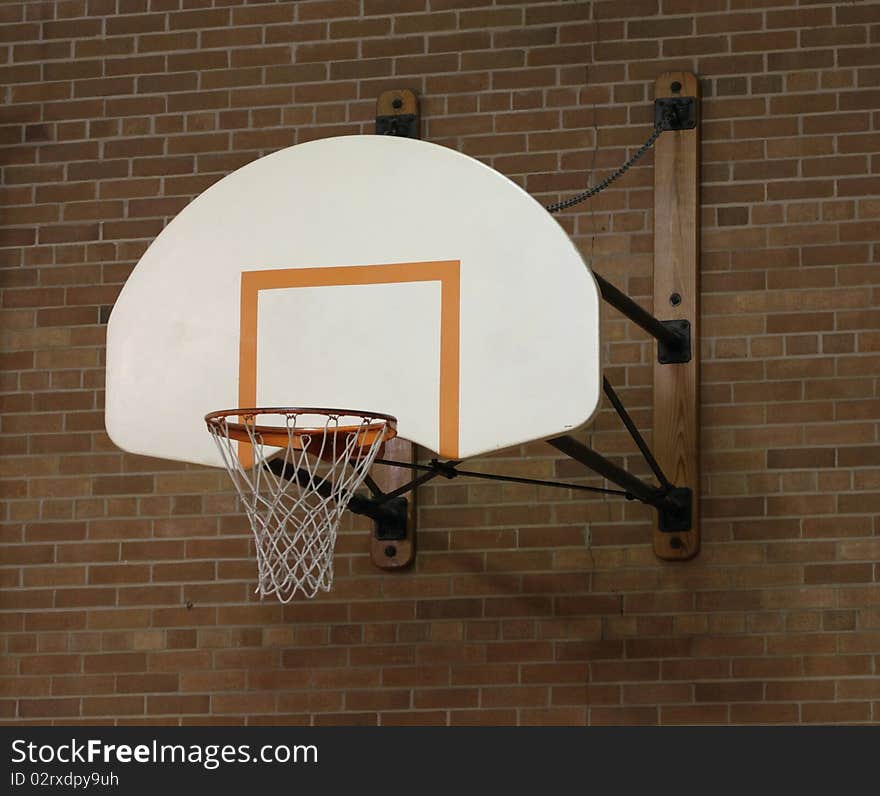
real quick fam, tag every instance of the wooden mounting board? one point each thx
(677, 271)
(390, 478)
(409, 103)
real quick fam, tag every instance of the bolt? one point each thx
(397, 103)
(390, 551)
(676, 87)
(675, 299)
(189, 605)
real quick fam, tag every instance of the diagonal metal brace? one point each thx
(673, 504)
(635, 433)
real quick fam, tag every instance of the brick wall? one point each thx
(127, 583)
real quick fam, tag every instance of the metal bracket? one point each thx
(391, 526)
(679, 353)
(397, 114)
(393, 536)
(673, 337)
(390, 532)
(392, 543)
(676, 517)
(676, 113)
(404, 126)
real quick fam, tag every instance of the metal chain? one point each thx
(590, 192)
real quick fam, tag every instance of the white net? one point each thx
(307, 465)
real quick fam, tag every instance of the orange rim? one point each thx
(282, 436)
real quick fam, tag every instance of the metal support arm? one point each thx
(636, 435)
(641, 490)
(673, 337)
(673, 504)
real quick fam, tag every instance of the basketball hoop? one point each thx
(307, 464)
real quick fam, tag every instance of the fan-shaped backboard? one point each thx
(362, 272)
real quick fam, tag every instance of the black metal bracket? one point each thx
(405, 125)
(680, 351)
(677, 515)
(388, 516)
(392, 525)
(675, 113)
(673, 337)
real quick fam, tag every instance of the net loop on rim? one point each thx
(306, 466)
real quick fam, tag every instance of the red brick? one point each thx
(48, 708)
(835, 713)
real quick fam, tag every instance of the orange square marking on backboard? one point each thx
(446, 272)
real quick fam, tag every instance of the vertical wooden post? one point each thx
(676, 439)
(399, 553)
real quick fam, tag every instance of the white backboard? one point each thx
(361, 272)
